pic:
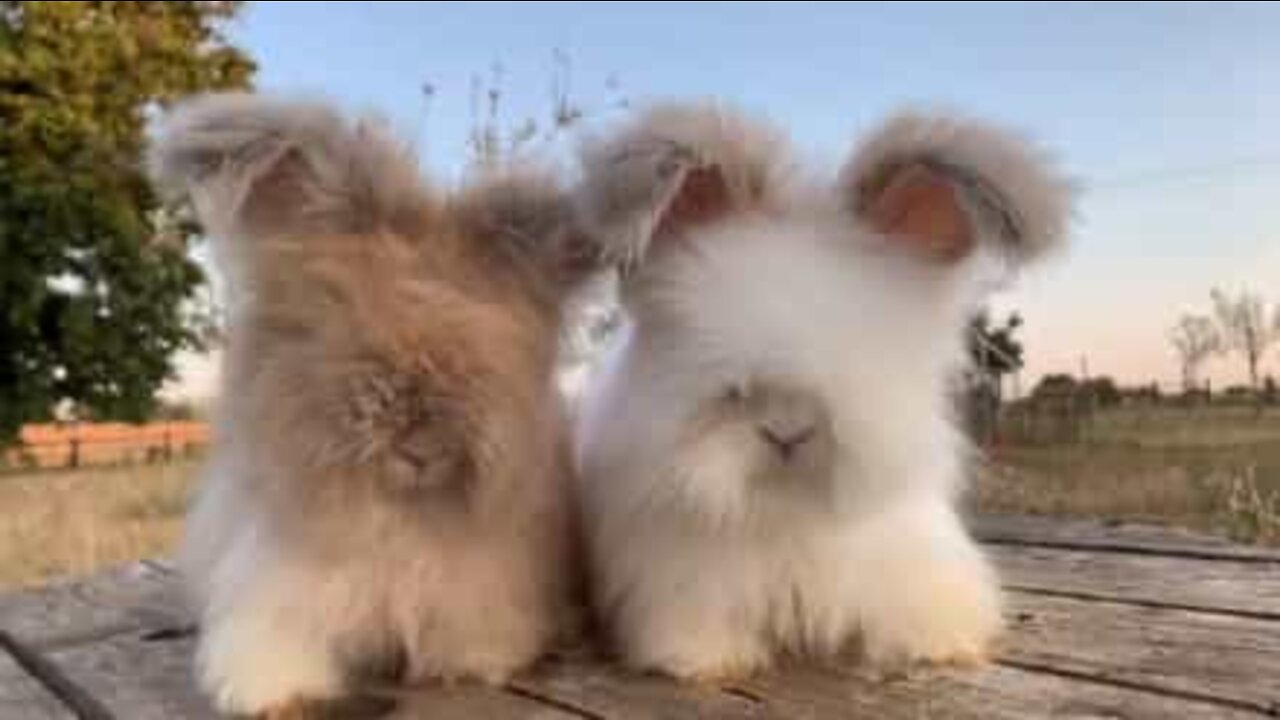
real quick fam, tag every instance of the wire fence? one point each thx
(76, 445)
(1137, 415)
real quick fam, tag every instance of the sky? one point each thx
(1167, 115)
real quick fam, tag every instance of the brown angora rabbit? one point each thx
(388, 483)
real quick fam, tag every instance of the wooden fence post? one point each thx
(74, 460)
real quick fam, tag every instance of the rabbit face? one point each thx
(777, 436)
(796, 386)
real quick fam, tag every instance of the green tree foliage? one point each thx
(95, 285)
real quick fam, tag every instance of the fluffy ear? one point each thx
(257, 166)
(528, 215)
(943, 185)
(673, 169)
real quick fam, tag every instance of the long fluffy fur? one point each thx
(701, 572)
(1014, 177)
(388, 483)
(628, 175)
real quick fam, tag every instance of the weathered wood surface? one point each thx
(1108, 620)
(22, 696)
(1114, 536)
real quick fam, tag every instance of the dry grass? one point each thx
(1210, 470)
(1213, 469)
(1186, 428)
(72, 523)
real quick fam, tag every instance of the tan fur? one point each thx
(389, 480)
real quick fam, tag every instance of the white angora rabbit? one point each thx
(767, 455)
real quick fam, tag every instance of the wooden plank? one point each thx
(1228, 586)
(144, 679)
(1113, 536)
(992, 693)
(136, 678)
(146, 674)
(474, 703)
(1101, 630)
(22, 696)
(1229, 660)
(601, 690)
(80, 703)
(68, 613)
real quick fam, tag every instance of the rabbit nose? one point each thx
(786, 440)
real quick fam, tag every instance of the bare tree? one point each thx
(1248, 327)
(1195, 338)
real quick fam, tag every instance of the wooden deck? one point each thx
(1122, 622)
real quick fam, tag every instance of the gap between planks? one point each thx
(1112, 536)
(1123, 549)
(81, 704)
(548, 700)
(1143, 603)
(1271, 711)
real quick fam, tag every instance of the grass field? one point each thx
(1214, 469)
(69, 523)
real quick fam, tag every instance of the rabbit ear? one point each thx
(676, 168)
(526, 211)
(256, 166)
(943, 185)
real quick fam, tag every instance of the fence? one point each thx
(74, 445)
(1078, 418)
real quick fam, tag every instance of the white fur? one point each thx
(702, 573)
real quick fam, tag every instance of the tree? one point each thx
(1102, 391)
(1195, 338)
(993, 353)
(994, 350)
(1056, 386)
(95, 282)
(1247, 328)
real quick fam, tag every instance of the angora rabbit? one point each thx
(767, 458)
(389, 484)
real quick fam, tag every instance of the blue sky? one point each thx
(1168, 114)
